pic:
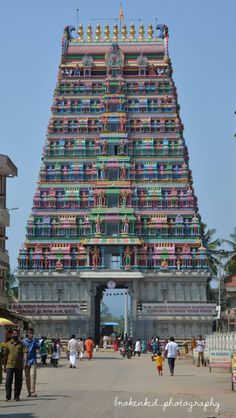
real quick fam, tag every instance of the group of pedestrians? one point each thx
(19, 355)
(52, 348)
(169, 349)
(76, 348)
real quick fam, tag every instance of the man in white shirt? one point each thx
(137, 347)
(72, 349)
(200, 349)
(171, 349)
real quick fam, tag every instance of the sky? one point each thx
(202, 51)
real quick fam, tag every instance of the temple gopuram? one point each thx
(114, 202)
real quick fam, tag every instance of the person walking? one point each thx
(81, 348)
(72, 349)
(143, 346)
(155, 346)
(43, 349)
(159, 363)
(89, 348)
(193, 344)
(137, 348)
(200, 343)
(185, 346)
(56, 351)
(14, 360)
(171, 350)
(32, 344)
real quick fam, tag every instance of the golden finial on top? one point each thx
(98, 32)
(81, 32)
(150, 32)
(107, 32)
(115, 32)
(89, 32)
(132, 31)
(124, 32)
(141, 32)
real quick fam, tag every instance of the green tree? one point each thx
(11, 285)
(230, 266)
(105, 314)
(212, 248)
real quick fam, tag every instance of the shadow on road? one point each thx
(107, 358)
(17, 415)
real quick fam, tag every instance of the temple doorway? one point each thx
(112, 311)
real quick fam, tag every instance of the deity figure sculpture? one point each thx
(95, 257)
(127, 257)
(98, 225)
(104, 147)
(59, 265)
(164, 264)
(123, 198)
(123, 171)
(103, 171)
(100, 198)
(178, 264)
(125, 221)
(121, 148)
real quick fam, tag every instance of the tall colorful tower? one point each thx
(115, 200)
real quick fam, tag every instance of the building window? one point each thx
(115, 262)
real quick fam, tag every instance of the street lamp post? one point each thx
(126, 313)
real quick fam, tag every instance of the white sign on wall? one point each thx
(47, 308)
(165, 309)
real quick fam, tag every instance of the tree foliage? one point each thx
(212, 247)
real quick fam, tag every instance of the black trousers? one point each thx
(17, 383)
(171, 362)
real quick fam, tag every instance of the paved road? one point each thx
(100, 388)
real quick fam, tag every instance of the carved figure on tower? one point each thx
(98, 225)
(59, 265)
(123, 171)
(127, 257)
(125, 221)
(95, 257)
(103, 171)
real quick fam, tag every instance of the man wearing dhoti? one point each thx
(72, 350)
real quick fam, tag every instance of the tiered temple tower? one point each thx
(115, 199)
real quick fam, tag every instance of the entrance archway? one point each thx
(120, 290)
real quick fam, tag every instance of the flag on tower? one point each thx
(121, 12)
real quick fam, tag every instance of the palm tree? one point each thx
(212, 249)
(230, 266)
(11, 285)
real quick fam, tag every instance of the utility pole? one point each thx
(126, 312)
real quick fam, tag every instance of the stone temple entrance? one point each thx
(121, 281)
(99, 298)
(162, 303)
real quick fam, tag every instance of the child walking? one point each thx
(159, 362)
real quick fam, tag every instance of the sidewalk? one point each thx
(108, 386)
